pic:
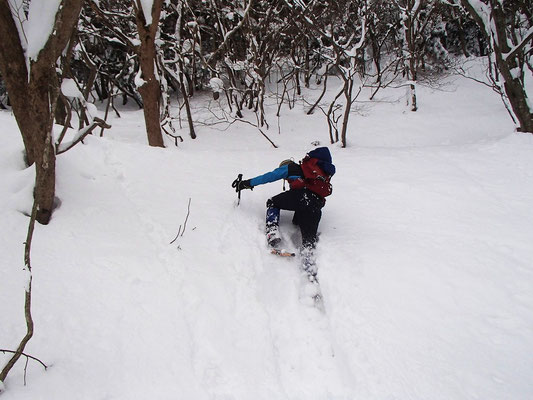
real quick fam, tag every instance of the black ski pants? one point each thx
(307, 207)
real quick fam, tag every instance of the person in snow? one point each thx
(309, 183)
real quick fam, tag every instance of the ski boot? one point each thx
(272, 235)
(272, 227)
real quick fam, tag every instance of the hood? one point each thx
(324, 157)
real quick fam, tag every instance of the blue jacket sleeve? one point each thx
(279, 173)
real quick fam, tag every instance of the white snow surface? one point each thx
(425, 261)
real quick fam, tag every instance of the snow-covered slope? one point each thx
(424, 261)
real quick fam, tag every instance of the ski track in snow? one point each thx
(294, 337)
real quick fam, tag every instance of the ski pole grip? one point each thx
(239, 180)
(235, 183)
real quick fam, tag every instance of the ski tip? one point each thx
(282, 253)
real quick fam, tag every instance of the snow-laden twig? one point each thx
(528, 37)
(229, 35)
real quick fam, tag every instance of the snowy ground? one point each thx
(424, 260)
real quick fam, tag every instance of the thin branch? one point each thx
(27, 302)
(460, 72)
(267, 138)
(27, 356)
(325, 83)
(259, 129)
(520, 46)
(180, 232)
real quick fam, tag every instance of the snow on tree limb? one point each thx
(106, 18)
(81, 134)
(483, 12)
(146, 6)
(19, 17)
(230, 34)
(528, 37)
(40, 25)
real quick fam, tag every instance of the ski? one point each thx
(282, 253)
(310, 287)
(310, 292)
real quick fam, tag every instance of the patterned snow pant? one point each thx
(307, 207)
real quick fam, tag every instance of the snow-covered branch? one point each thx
(80, 135)
(516, 49)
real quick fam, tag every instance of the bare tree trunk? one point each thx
(505, 62)
(332, 121)
(324, 88)
(348, 89)
(411, 50)
(514, 89)
(150, 90)
(33, 95)
(412, 95)
(307, 72)
(261, 102)
(185, 94)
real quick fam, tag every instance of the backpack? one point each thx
(315, 179)
(317, 170)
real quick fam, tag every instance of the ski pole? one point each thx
(235, 185)
(239, 192)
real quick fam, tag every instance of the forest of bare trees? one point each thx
(115, 51)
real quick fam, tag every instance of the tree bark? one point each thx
(185, 94)
(348, 91)
(33, 95)
(513, 87)
(410, 38)
(150, 90)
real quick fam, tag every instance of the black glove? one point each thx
(240, 185)
(244, 185)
